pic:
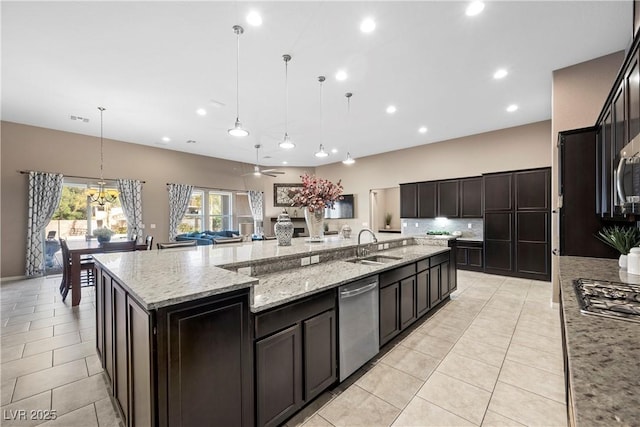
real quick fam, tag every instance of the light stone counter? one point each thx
(603, 353)
(160, 278)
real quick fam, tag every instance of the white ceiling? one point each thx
(152, 64)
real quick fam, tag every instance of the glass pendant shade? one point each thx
(321, 153)
(286, 143)
(238, 130)
(349, 160)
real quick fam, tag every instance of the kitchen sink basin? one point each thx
(375, 259)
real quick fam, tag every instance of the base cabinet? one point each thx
(296, 357)
(469, 256)
(389, 297)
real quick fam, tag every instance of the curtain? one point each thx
(45, 190)
(131, 200)
(179, 196)
(255, 204)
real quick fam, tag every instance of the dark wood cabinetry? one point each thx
(427, 202)
(517, 223)
(295, 356)
(471, 198)
(389, 297)
(448, 198)
(451, 198)
(423, 304)
(408, 291)
(469, 255)
(409, 200)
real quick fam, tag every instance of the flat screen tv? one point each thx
(342, 209)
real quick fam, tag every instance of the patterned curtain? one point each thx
(131, 200)
(255, 204)
(179, 196)
(45, 190)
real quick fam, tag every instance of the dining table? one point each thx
(78, 248)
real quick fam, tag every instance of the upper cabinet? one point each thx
(409, 200)
(471, 198)
(452, 198)
(427, 203)
(633, 97)
(449, 198)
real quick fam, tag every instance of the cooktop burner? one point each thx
(609, 299)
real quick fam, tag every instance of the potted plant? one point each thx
(621, 239)
(103, 234)
(387, 220)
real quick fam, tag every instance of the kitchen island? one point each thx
(182, 334)
(601, 354)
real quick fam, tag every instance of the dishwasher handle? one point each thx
(358, 291)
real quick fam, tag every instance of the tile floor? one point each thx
(492, 356)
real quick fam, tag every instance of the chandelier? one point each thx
(102, 195)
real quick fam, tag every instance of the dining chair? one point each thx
(87, 266)
(126, 246)
(149, 242)
(180, 244)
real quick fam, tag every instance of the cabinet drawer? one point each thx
(396, 275)
(422, 265)
(439, 259)
(282, 317)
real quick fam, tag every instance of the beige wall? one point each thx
(578, 95)
(514, 148)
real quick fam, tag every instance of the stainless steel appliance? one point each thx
(628, 178)
(609, 299)
(358, 330)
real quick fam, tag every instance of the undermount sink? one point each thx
(375, 259)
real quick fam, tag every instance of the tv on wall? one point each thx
(342, 209)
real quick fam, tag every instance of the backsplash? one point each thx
(409, 227)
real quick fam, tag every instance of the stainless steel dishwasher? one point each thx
(358, 331)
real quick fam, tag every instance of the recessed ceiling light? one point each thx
(511, 108)
(474, 8)
(500, 74)
(201, 112)
(341, 75)
(423, 129)
(284, 162)
(367, 25)
(166, 139)
(391, 109)
(254, 18)
(334, 150)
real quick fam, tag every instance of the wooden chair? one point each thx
(149, 242)
(126, 246)
(180, 244)
(86, 265)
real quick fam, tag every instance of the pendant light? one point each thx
(237, 129)
(349, 160)
(286, 142)
(321, 153)
(100, 195)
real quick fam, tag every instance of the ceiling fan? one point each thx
(257, 171)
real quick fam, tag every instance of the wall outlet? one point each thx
(469, 225)
(305, 261)
(386, 246)
(380, 246)
(404, 243)
(417, 224)
(404, 224)
(315, 259)
(152, 225)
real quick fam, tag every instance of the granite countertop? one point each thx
(603, 353)
(160, 278)
(278, 288)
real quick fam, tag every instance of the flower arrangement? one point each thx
(103, 232)
(316, 193)
(620, 238)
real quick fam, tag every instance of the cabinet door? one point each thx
(140, 365)
(107, 292)
(121, 381)
(533, 246)
(498, 192)
(498, 241)
(434, 285)
(408, 200)
(532, 190)
(462, 256)
(100, 316)
(422, 293)
(633, 97)
(474, 257)
(407, 302)
(606, 166)
(427, 199)
(319, 353)
(471, 198)
(389, 312)
(448, 199)
(444, 279)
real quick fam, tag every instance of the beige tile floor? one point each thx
(491, 356)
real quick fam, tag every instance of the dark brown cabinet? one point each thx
(409, 200)
(423, 304)
(448, 198)
(427, 202)
(295, 356)
(471, 197)
(407, 302)
(517, 224)
(389, 298)
(469, 255)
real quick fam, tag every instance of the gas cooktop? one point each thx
(609, 299)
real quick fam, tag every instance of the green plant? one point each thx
(387, 218)
(621, 239)
(103, 232)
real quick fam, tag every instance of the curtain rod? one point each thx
(81, 177)
(198, 187)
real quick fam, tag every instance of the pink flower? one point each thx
(316, 193)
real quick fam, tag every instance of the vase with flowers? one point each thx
(103, 234)
(315, 195)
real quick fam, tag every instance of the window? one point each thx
(210, 210)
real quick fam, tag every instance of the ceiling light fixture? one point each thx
(474, 8)
(201, 112)
(166, 139)
(391, 109)
(349, 160)
(286, 142)
(367, 25)
(423, 129)
(101, 195)
(511, 108)
(237, 129)
(341, 75)
(500, 74)
(321, 153)
(254, 18)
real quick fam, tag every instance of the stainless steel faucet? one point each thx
(362, 251)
